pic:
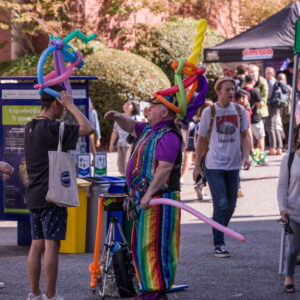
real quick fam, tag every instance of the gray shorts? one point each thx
(258, 129)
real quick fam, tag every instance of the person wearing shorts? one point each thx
(258, 130)
(48, 221)
(49, 224)
(189, 149)
(257, 124)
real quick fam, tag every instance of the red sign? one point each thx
(257, 53)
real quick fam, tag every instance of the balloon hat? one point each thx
(62, 52)
(195, 79)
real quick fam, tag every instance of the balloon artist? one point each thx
(153, 171)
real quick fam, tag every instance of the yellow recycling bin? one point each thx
(76, 226)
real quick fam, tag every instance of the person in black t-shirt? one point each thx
(257, 125)
(48, 221)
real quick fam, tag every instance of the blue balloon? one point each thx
(41, 63)
(81, 64)
(40, 66)
(67, 55)
(52, 92)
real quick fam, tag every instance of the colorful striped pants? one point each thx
(155, 245)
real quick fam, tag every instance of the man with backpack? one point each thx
(277, 91)
(225, 124)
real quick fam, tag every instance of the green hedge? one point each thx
(173, 40)
(121, 75)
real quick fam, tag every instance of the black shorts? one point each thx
(49, 223)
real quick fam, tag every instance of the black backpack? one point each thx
(125, 272)
(280, 95)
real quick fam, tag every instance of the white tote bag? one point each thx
(62, 176)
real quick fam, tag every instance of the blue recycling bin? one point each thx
(117, 186)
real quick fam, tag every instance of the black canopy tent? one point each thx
(271, 39)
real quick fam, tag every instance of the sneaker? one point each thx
(201, 195)
(221, 251)
(263, 163)
(56, 297)
(32, 296)
(198, 191)
(205, 196)
(2, 285)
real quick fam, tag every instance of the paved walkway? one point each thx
(251, 273)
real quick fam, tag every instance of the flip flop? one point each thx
(289, 288)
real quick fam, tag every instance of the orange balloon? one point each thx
(94, 268)
(192, 91)
(167, 103)
(189, 69)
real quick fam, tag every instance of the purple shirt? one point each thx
(167, 148)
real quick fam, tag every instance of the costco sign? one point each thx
(253, 54)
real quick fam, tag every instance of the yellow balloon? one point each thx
(201, 28)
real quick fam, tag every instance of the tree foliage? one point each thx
(239, 14)
(229, 16)
(173, 40)
(120, 75)
(254, 12)
(26, 19)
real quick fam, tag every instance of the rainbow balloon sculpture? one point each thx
(194, 79)
(62, 52)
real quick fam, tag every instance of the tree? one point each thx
(26, 20)
(235, 16)
(254, 12)
(173, 40)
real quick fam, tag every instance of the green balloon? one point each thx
(258, 156)
(180, 95)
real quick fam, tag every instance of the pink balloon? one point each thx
(69, 71)
(50, 76)
(209, 221)
(46, 78)
(297, 113)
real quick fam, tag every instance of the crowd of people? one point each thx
(250, 112)
(269, 105)
(219, 139)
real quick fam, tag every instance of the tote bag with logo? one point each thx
(62, 176)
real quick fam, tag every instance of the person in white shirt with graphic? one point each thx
(225, 124)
